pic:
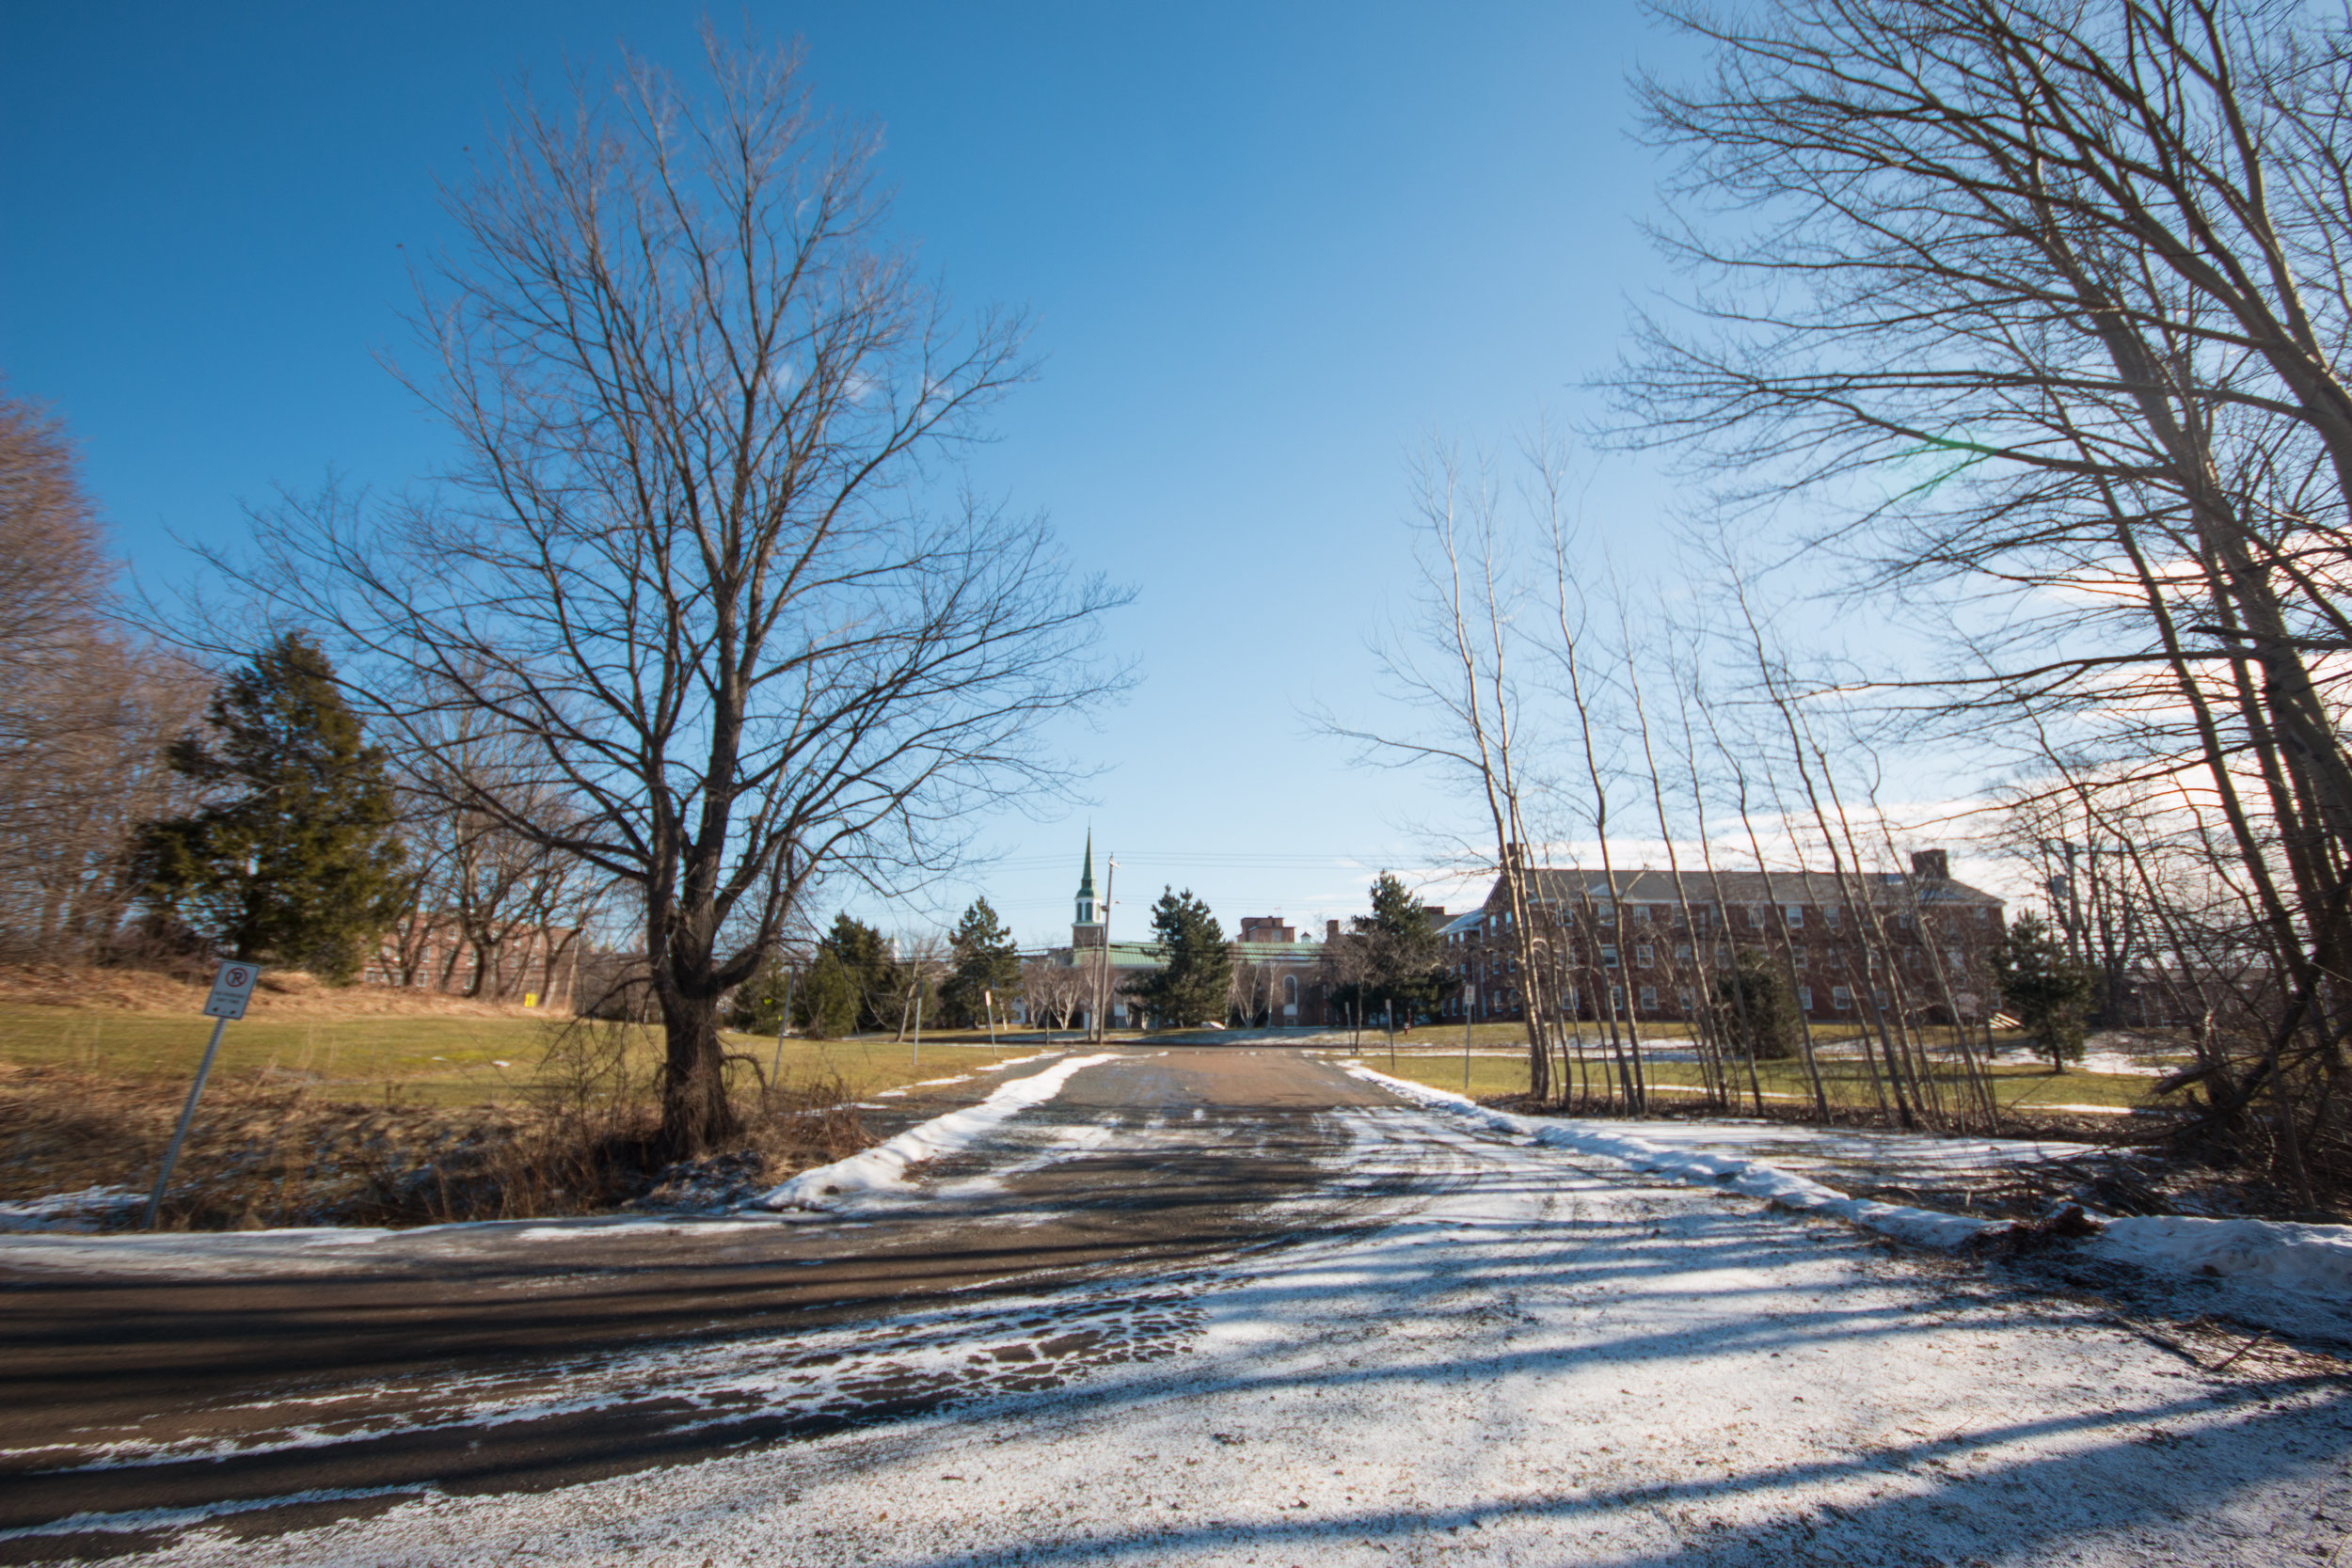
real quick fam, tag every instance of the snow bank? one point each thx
(840, 1185)
(2315, 1260)
(83, 1211)
(1923, 1226)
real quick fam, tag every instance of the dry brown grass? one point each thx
(264, 1154)
(282, 993)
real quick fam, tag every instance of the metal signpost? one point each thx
(1469, 1006)
(233, 988)
(784, 1027)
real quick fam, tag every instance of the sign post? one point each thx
(233, 988)
(1469, 1006)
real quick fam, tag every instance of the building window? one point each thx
(1841, 998)
(1878, 996)
(1833, 915)
(1682, 998)
(1682, 952)
(1755, 917)
(1981, 913)
(1642, 955)
(1796, 917)
(1289, 989)
(1650, 999)
(1608, 956)
(1805, 998)
(1798, 959)
(1952, 957)
(1902, 918)
(1641, 914)
(1722, 954)
(1616, 997)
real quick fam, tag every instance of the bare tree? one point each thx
(1459, 665)
(86, 710)
(1249, 992)
(2049, 299)
(685, 560)
(1054, 992)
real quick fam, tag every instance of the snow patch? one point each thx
(1922, 1227)
(87, 1209)
(842, 1184)
(2315, 1259)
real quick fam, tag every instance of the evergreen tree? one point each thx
(757, 1006)
(1400, 961)
(1756, 996)
(294, 860)
(1196, 967)
(982, 958)
(829, 999)
(2049, 992)
(860, 980)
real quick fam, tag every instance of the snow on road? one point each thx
(881, 1170)
(1502, 1352)
(2314, 1262)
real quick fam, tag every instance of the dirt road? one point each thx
(1205, 1306)
(463, 1359)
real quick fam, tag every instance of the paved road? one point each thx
(517, 1358)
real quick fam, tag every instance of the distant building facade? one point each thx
(537, 964)
(1850, 948)
(1278, 979)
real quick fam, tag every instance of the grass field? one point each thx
(445, 1061)
(1496, 1069)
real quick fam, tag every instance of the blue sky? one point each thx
(1269, 250)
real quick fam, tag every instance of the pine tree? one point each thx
(982, 959)
(830, 999)
(853, 983)
(757, 1006)
(1196, 967)
(2049, 992)
(1404, 958)
(295, 861)
(1756, 996)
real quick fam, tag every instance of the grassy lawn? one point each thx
(443, 1061)
(1494, 1071)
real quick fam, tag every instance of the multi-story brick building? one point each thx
(1651, 944)
(1278, 979)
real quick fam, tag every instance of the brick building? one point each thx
(1279, 977)
(1916, 943)
(538, 965)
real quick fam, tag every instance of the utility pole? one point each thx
(2073, 898)
(1103, 966)
(1470, 1001)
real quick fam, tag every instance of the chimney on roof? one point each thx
(1513, 858)
(1330, 930)
(1930, 865)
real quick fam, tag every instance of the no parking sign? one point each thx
(233, 988)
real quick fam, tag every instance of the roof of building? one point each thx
(1144, 954)
(1646, 885)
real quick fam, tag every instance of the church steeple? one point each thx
(1085, 885)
